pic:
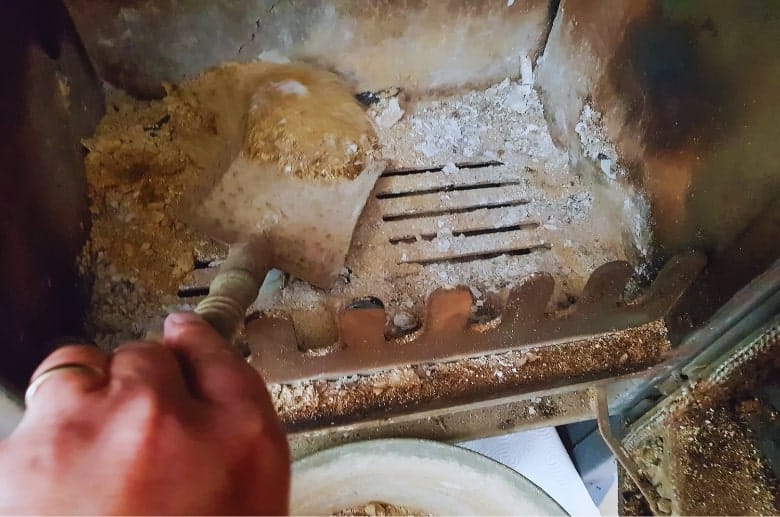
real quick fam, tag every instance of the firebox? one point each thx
(578, 216)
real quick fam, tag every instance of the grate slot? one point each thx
(447, 188)
(203, 263)
(473, 220)
(196, 283)
(193, 292)
(459, 165)
(409, 239)
(473, 257)
(445, 247)
(446, 211)
(440, 179)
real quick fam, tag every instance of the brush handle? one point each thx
(235, 287)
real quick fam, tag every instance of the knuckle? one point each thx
(149, 417)
(251, 423)
(143, 403)
(72, 429)
(202, 334)
(137, 348)
(147, 399)
(150, 423)
(254, 426)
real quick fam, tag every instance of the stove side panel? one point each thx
(49, 100)
(688, 93)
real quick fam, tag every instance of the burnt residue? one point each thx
(552, 9)
(667, 87)
(552, 13)
(367, 98)
(701, 91)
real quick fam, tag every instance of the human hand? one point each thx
(181, 428)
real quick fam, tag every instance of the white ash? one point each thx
(386, 112)
(635, 207)
(273, 56)
(301, 394)
(595, 144)
(444, 136)
(296, 294)
(526, 71)
(636, 211)
(575, 219)
(502, 121)
(518, 100)
(347, 380)
(576, 206)
(291, 87)
(404, 321)
(323, 351)
(450, 168)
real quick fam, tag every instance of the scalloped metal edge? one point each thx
(447, 334)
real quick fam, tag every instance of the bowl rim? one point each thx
(419, 447)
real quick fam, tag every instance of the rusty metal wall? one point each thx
(690, 94)
(49, 100)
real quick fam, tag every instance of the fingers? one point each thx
(66, 373)
(201, 337)
(216, 373)
(150, 365)
(194, 361)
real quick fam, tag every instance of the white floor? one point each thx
(540, 456)
(609, 505)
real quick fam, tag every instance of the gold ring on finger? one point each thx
(38, 381)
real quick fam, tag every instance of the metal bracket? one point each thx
(658, 505)
(448, 335)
